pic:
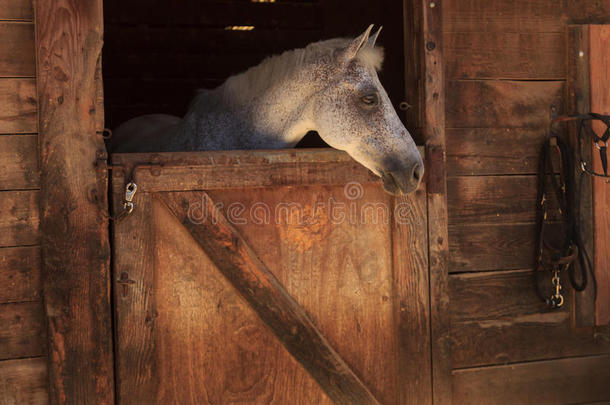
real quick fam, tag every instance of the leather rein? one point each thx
(560, 247)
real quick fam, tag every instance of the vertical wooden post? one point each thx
(599, 66)
(73, 200)
(433, 105)
(588, 80)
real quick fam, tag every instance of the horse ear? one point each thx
(373, 38)
(352, 49)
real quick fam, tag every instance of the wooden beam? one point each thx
(434, 133)
(266, 295)
(578, 99)
(412, 302)
(20, 274)
(73, 203)
(599, 66)
(23, 381)
(577, 380)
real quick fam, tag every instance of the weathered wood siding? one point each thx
(505, 75)
(209, 313)
(23, 363)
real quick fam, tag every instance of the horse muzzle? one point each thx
(403, 181)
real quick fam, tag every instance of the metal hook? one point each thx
(130, 191)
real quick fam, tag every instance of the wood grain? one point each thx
(486, 151)
(134, 300)
(20, 274)
(22, 330)
(19, 162)
(494, 296)
(491, 247)
(341, 270)
(434, 123)
(215, 170)
(578, 88)
(494, 199)
(506, 104)
(19, 224)
(268, 298)
(197, 307)
(599, 65)
(505, 55)
(504, 16)
(17, 56)
(588, 12)
(16, 10)
(18, 106)
(24, 381)
(412, 302)
(573, 380)
(73, 201)
(497, 318)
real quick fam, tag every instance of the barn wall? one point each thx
(505, 73)
(23, 364)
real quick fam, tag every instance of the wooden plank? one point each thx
(18, 106)
(494, 199)
(196, 307)
(24, 381)
(485, 151)
(413, 51)
(498, 318)
(505, 104)
(494, 296)
(588, 12)
(20, 274)
(74, 207)
(504, 16)
(523, 338)
(17, 57)
(579, 101)
(16, 10)
(434, 97)
(222, 170)
(339, 268)
(19, 162)
(134, 302)
(19, 224)
(268, 298)
(411, 285)
(505, 55)
(22, 330)
(245, 175)
(573, 380)
(491, 247)
(599, 65)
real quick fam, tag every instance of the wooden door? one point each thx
(284, 277)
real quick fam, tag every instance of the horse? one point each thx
(329, 86)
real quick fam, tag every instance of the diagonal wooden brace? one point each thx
(269, 299)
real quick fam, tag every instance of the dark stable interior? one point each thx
(158, 53)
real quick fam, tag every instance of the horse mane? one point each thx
(275, 69)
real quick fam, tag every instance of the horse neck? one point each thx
(281, 112)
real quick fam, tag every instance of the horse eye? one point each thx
(370, 99)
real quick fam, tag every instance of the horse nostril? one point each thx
(418, 171)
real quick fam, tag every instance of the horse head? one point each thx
(353, 113)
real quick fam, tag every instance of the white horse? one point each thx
(329, 86)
